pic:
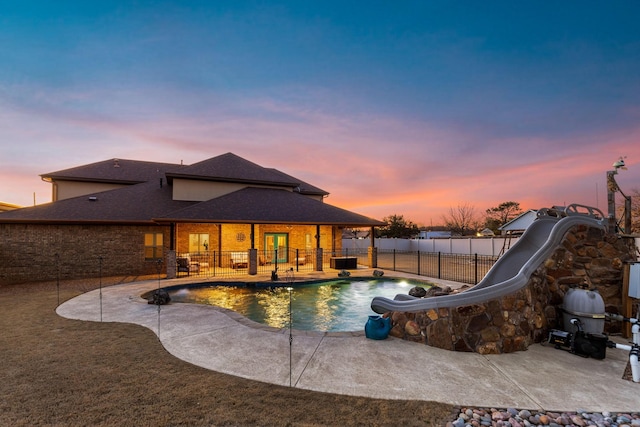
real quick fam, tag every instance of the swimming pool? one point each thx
(331, 306)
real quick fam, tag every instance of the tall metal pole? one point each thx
(159, 268)
(58, 276)
(290, 338)
(100, 285)
(612, 187)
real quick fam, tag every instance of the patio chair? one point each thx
(239, 260)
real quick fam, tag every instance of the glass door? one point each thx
(277, 242)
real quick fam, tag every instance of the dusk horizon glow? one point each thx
(408, 109)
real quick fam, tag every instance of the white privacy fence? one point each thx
(493, 246)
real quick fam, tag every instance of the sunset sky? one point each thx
(405, 107)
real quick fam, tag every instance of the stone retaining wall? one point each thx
(587, 257)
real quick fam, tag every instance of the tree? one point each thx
(398, 227)
(462, 220)
(501, 214)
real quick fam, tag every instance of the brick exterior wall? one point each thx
(37, 252)
(40, 252)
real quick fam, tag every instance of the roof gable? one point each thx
(521, 222)
(232, 168)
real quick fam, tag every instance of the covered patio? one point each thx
(259, 230)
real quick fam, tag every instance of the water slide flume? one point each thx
(513, 270)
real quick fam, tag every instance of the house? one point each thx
(120, 216)
(444, 234)
(519, 224)
(8, 207)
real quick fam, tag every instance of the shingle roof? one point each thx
(226, 167)
(229, 167)
(132, 204)
(268, 206)
(147, 201)
(303, 187)
(114, 170)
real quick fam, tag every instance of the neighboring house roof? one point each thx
(8, 206)
(486, 232)
(521, 222)
(150, 201)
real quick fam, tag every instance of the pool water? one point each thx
(332, 306)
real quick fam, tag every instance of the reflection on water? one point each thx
(329, 306)
(326, 314)
(275, 305)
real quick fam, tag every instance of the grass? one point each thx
(62, 372)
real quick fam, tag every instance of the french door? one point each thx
(277, 242)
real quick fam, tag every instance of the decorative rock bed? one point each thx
(514, 418)
(587, 257)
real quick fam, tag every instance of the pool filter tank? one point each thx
(586, 306)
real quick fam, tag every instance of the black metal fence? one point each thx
(455, 267)
(236, 263)
(461, 268)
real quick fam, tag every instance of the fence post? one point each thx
(418, 263)
(394, 260)
(475, 259)
(439, 265)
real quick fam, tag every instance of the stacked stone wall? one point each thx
(586, 258)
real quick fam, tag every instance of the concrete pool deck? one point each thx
(348, 363)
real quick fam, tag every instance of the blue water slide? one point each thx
(512, 271)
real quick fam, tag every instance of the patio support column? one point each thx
(253, 261)
(373, 251)
(318, 260)
(170, 262)
(317, 237)
(372, 254)
(253, 236)
(219, 245)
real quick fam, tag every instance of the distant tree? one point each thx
(501, 214)
(398, 227)
(462, 220)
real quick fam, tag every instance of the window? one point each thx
(198, 242)
(152, 245)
